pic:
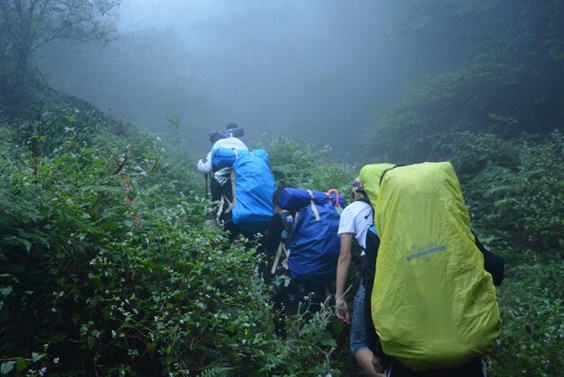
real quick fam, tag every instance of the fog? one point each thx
(311, 70)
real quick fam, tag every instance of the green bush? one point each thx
(111, 266)
(300, 165)
(532, 310)
(514, 189)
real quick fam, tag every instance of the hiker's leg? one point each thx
(365, 359)
(358, 343)
(473, 368)
(229, 226)
(284, 303)
(263, 266)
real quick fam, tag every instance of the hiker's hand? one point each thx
(342, 310)
(377, 362)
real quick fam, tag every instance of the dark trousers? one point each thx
(226, 190)
(473, 368)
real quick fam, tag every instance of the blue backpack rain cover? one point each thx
(293, 199)
(226, 157)
(253, 189)
(315, 245)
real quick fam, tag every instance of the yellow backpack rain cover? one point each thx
(433, 304)
(370, 177)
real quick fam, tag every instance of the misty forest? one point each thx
(111, 261)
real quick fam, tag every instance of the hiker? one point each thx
(303, 237)
(356, 221)
(220, 140)
(433, 308)
(220, 183)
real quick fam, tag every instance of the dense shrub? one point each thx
(532, 309)
(514, 189)
(300, 165)
(112, 264)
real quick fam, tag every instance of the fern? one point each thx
(216, 371)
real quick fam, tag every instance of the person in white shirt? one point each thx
(356, 221)
(205, 164)
(220, 182)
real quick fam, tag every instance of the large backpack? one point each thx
(253, 187)
(314, 248)
(370, 177)
(226, 157)
(433, 305)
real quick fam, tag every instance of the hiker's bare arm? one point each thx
(341, 309)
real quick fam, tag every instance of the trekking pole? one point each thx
(206, 183)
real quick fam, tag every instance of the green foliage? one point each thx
(515, 190)
(457, 100)
(111, 266)
(216, 371)
(300, 165)
(24, 27)
(471, 152)
(532, 310)
(492, 67)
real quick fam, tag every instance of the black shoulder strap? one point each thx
(367, 201)
(493, 263)
(387, 170)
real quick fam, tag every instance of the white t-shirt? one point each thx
(356, 218)
(205, 165)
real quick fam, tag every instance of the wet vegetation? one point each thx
(112, 265)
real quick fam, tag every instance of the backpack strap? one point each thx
(232, 203)
(281, 248)
(387, 170)
(220, 210)
(223, 200)
(367, 201)
(313, 207)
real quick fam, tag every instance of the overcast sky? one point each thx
(306, 69)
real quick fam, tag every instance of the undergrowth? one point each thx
(112, 264)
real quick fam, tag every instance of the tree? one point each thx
(26, 25)
(145, 76)
(494, 66)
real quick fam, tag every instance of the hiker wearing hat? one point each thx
(231, 138)
(220, 182)
(356, 221)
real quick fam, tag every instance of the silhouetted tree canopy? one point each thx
(496, 68)
(143, 76)
(25, 25)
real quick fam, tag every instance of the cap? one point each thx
(357, 185)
